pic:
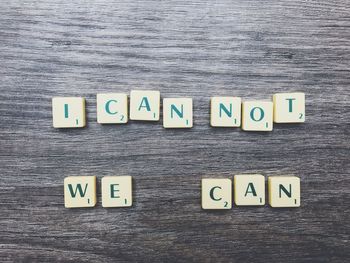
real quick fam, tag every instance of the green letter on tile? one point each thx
(176, 110)
(108, 110)
(223, 108)
(250, 190)
(262, 114)
(212, 193)
(78, 188)
(66, 111)
(146, 104)
(289, 194)
(290, 107)
(113, 190)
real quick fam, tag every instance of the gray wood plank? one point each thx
(196, 49)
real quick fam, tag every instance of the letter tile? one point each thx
(284, 191)
(177, 113)
(249, 189)
(216, 194)
(225, 112)
(68, 112)
(80, 191)
(289, 107)
(144, 105)
(116, 191)
(112, 108)
(257, 115)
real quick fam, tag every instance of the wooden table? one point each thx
(197, 49)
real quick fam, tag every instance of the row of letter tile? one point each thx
(249, 190)
(284, 191)
(112, 108)
(80, 191)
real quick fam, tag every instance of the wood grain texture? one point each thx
(187, 48)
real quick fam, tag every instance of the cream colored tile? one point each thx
(257, 115)
(249, 189)
(116, 191)
(284, 191)
(112, 108)
(68, 112)
(144, 105)
(80, 191)
(225, 112)
(289, 107)
(216, 194)
(177, 113)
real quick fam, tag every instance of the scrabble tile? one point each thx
(112, 108)
(144, 105)
(257, 115)
(289, 107)
(216, 194)
(68, 112)
(225, 112)
(116, 191)
(177, 113)
(249, 189)
(80, 191)
(284, 191)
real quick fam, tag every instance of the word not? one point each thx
(249, 190)
(112, 108)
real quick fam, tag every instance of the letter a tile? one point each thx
(144, 105)
(249, 189)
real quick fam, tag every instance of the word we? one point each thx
(249, 190)
(112, 108)
(80, 191)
